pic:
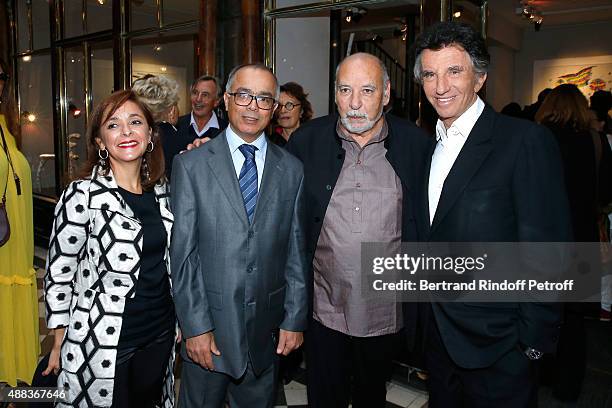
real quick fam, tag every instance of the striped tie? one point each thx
(248, 180)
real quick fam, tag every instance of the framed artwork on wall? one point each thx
(589, 74)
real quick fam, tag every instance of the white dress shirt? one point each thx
(450, 142)
(234, 142)
(213, 122)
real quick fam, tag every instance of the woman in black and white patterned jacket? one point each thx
(107, 286)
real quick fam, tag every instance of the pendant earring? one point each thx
(102, 157)
(145, 169)
(150, 146)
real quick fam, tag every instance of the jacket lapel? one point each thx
(104, 194)
(472, 155)
(163, 200)
(424, 207)
(222, 167)
(272, 175)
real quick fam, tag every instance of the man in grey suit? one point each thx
(237, 253)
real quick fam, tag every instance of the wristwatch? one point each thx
(531, 353)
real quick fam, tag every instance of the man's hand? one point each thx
(197, 143)
(288, 341)
(199, 349)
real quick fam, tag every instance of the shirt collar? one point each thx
(464, 123)
(213, 122)
(234, 141)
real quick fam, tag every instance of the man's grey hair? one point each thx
(203, 78)
(158, 92)
(383, 68)
(232, 76)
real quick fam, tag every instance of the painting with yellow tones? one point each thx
(589, 74)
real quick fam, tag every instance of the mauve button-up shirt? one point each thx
(365, 206)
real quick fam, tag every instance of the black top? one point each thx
(150, 313)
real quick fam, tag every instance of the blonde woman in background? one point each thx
(19, 346)
(160, 94)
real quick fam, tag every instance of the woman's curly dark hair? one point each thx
(447, 33)
(294, 89)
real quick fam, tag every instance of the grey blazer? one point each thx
(241, 281)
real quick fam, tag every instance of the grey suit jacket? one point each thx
(241, 281)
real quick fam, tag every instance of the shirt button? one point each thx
(250, 269)
(251, 233)
(357, 209)
(358, 162)
(358, 185)
(328, 187)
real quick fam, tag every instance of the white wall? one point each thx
(501, 77)
(586, 40)
(302, 56)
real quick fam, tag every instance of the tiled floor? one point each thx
(291, 395)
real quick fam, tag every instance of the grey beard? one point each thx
(368, 125)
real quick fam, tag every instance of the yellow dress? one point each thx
(19, 343)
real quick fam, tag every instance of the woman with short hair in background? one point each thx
(293, 110)
(160, 94)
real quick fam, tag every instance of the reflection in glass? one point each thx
(101, 72)
(144, 14)
(37, 134)
(180, 12)
(169, 55)
(23, 35)
(40, 22)
(99, 15)
(75, 103)
(73, 18)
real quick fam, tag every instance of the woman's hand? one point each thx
(54, 357)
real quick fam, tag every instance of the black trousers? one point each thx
(342, 368)
(139, 380)
(511, 382)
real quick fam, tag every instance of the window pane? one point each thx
(40, 16)
(75, 105)
(99, 15)
(23, 36)
(144, 14)
(169, 55)
(179, 12)
(73, 18)
(101, 71)
(37, 132)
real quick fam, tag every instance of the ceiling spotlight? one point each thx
(157, 47)
(354, 14)
(101, 2)
(457, 14)
(163, 69)
(349, 16)
(27, 58)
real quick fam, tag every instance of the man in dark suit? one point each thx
(492, 178)
(202, 121)
(361, 170)
(238, 257)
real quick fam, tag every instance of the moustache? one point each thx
(353, 114)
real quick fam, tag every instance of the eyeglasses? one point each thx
(245, 99)
(289, 106)
(4, 76)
